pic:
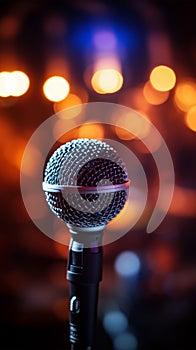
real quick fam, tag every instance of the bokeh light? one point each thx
(56, 88)
(125, 341)
(105, 40)
(127, 264)
(19, 83)
(70, 101)
(14, 83)
(161, 259)
(163, 78)
(190, 118)
(5, 84)
(107, 81)
(185, 94)
(131, 125)
(153, 96)
(92, 131)
(114, 322)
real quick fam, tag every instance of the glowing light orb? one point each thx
(56, 88)
(5, 83)
(107, 81)
(127, 264)
(163, 78)
(190, 118)
(14, 83)
(19, 83)
(153, 96)
(185, 94)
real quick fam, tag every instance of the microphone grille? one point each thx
(85, 162)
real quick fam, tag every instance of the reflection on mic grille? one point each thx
(86, 163)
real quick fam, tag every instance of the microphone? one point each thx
(86, 185)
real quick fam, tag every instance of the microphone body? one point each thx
(86, 185)
(84, 272)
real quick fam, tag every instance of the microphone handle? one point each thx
(84, 274)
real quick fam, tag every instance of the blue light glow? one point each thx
(115, 322)
(127, 264)
(125, 341)
(105, 40)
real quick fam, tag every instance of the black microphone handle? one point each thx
(83, 324)
(84, 273)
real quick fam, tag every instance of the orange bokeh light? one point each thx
(131, 125)
(153, 96)
(92, 131)
(107, 81)
(190, 118)
(163, 78)
(185, 94)
(70, 101)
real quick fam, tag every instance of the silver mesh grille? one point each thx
(85, 162)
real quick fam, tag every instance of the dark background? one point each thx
(160, 307)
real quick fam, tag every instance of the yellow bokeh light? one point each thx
(190, 118)
(56, 88)
(185, 94)
(70, 101)
(5, 84)
(123, 134)
(107, 81)
(163, 78)
(130, 125)
(153, 96)
(14, 83)
(92, 131)
(19, 83)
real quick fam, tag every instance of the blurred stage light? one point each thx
(190, 118)
(130, 126)
(105, 40)
(153, 96)
(115, 322)
(93, 131)
(163, 78)
(127, 264)
(70, 101)
(185, 94)
(14, 83)
(19, 83)
(56, 88)
(125, 341)
(134, 98)
(161, 259)
(5, 84)
(107, 81)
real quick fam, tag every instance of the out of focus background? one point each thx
(141, 54)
